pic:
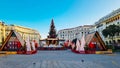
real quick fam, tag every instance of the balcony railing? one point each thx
(113, 37)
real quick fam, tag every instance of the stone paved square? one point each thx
(60, 59)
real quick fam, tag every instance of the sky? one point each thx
(37, 14)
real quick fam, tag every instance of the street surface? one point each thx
(60, 59)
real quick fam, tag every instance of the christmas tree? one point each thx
(52, 32)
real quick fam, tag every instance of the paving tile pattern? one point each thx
(60, 59)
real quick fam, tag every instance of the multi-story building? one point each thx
(111, 18)
(23, 31)
(92, 29)
(72, 33)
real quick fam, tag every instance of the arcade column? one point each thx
(3, 34)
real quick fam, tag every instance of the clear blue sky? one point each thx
(37, 14)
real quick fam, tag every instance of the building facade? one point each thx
(72, 33)
(110, 19)
(23, 31)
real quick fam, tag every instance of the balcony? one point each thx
(113, 37)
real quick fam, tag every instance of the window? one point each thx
(117, 34)
(118, 40)
(118, 17)
(110, 42)
(106, 42)
(84, 28)
(6, 34)
(107, 22)
(117, 22)
(114, 41)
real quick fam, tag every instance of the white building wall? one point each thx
(101, 21)
(72, 33)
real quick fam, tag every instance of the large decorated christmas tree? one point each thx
(52, 32)
(52, 42)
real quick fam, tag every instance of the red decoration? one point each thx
(18, 44)
(91, 45)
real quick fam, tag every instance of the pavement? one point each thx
(60, 59)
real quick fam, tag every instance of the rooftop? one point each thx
(113, 13)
